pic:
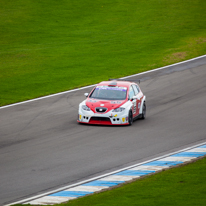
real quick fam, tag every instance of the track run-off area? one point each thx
(43, 148)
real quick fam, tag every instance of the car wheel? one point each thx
(130, 118)
(144, 111)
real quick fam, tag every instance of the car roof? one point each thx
(116, 83)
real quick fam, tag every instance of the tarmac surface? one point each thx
(42, 147)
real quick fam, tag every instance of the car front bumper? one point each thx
(109, 118)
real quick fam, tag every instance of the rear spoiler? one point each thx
(131, 80)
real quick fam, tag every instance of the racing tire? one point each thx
(130, 118)
(143, 111)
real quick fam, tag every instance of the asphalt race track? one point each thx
(42, 147)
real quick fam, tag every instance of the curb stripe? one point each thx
(163, 163)
(123, 176)
(87, 188)
(135, 172)
(70, 193)
(190, 154)
(117, 178)
(42, 198)
(103, 183)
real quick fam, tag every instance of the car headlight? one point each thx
(84, 107)
(119, 109)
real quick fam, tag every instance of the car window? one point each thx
(136, 90)
(109, 93)
(131, 92)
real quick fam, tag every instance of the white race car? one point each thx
(113, 103)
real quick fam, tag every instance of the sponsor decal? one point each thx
(80, 116)
(123, 119)
(91, 100)
(115, 102)
(139, 105)
(115, 115)
(101, 105)
(111, 88)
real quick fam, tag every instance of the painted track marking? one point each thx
(69, 91)
(117, 177)
(51, 198)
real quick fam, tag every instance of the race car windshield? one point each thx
(109, 93)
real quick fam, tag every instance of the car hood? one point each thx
(109, 104)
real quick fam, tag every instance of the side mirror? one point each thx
(133, 98)
(86, 94)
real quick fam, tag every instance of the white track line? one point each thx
(52, 95)
(102, 176)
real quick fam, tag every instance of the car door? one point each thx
(136, 97)
(133, 100)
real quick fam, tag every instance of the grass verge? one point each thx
(51, 46)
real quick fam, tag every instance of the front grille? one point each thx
(107, 119)
(101, 109)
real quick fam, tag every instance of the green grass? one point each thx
(51, 46)
(183, 185)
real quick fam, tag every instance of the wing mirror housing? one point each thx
(86, 94)
(134, 98)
